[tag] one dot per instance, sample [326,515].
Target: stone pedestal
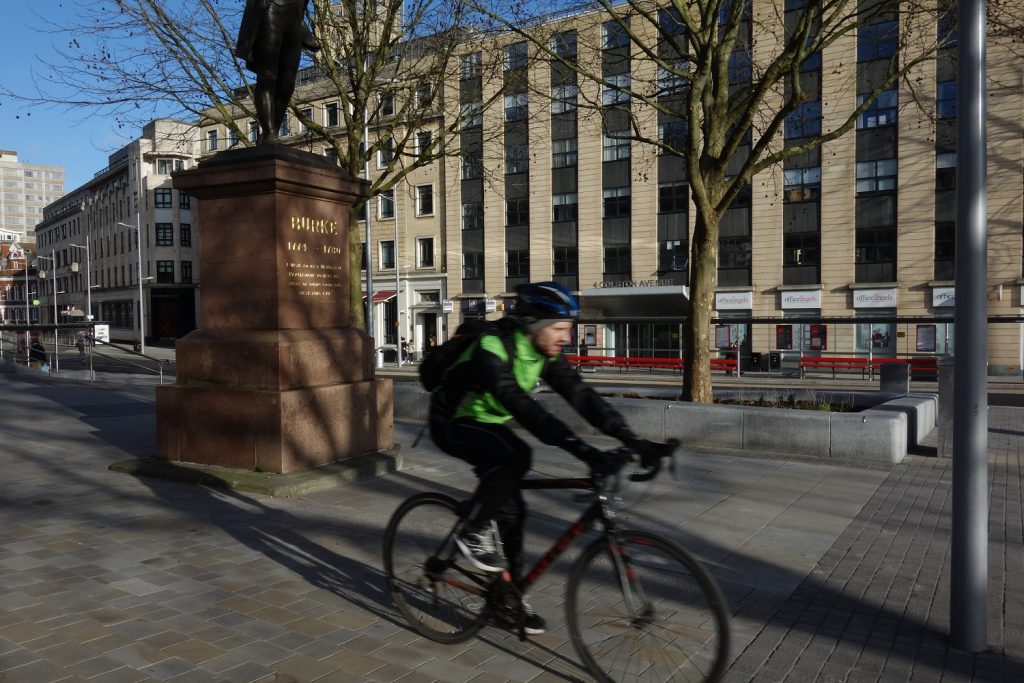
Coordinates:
[275,379]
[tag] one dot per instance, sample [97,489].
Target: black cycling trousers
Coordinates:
[500,459]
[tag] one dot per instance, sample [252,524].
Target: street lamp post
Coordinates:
[88,281]
[142,309]
[52,258]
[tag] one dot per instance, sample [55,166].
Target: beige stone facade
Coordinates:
[870,289]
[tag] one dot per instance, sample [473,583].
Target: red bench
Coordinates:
[641,362]
[922,365]
[833,363]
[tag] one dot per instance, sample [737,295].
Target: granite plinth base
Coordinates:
[269,430]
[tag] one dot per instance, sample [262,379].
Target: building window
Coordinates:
[472,265]
[232,138]
[565,261]
[472,114]
[283,130]
[945,100]
[386,152]
[184,200]
[515,56]
[565,207]
[563,153]
[804,121]
[424,140]
[516,107]
[801,249]
[672,256]
[734,252]
[186,234]
[802,184]
[616,259]
[387,254]
[881,112]
[163,198]
[305,115]
[424,96]
[387,103]
[673,198]
[165,234]
[517,159]
[331,114]
[877,41]
[673,135]
[165,271]
[616,92]
[386,208]
[472,166]
[564,45]
[875,245]
[164,166]
[563,98]
[876,176]
[617,202]
[945,171]
[518,263]
[616,145]
[470,66]
[211,140]
[331,154]
[424,200]
[517,212]
[254,131]
[613,35]
[186,272]
[473,216]
[425,252]
[672,80]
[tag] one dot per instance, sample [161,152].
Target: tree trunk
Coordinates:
[355,264]
[703,276]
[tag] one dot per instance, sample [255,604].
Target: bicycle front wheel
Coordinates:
[440,599]
[640,608]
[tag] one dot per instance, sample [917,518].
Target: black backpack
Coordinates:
[436,364]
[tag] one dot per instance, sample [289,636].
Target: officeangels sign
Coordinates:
[810,298]
[874,298]
[943,296]
[734,301]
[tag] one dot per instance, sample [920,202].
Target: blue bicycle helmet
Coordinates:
[545,301]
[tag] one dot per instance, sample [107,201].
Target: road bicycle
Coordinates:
[638,607]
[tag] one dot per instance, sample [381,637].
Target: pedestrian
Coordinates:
[36,354]
[80,345]
[429,345]
[405,350]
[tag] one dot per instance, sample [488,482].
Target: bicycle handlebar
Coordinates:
[650,462]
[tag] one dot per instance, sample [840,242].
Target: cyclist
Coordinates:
[484,389]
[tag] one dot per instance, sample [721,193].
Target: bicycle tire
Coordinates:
[432,601]
[681,635]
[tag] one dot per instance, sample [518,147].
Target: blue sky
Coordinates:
[80,141]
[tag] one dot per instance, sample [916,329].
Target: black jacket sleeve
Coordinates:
[561,377]
[492,375]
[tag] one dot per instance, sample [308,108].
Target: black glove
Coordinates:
[649,451]
[600,462]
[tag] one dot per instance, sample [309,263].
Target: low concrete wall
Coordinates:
[880,434]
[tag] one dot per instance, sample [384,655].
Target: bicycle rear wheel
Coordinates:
[440,599]
[643,609]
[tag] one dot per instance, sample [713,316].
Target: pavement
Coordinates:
[834,571]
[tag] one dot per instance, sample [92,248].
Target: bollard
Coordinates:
[894,378]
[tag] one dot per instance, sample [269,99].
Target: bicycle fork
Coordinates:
[637,604]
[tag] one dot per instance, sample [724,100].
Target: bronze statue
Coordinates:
[270,40]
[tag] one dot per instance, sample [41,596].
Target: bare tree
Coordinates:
[730,88]
[385,62]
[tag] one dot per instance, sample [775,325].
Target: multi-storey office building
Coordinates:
[847,249]
[97,251]
[27,189]
[18,284]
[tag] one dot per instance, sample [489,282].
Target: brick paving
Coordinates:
[876,606]
[835,571]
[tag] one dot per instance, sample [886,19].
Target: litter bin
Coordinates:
[755,361]
[774,360]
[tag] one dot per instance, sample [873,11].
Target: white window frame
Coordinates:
[327,117]
[380,255]
[419,252]
[308,113]
[433,196]
[386,196]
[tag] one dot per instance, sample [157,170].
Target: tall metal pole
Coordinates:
[969,571]
[142,307]
[398,285]
[28,318]
[367,251]
[56,340]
